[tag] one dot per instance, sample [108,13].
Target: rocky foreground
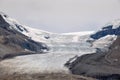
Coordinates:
[44,77]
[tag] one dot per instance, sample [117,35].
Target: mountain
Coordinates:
[61,42]
[112,28]
[81,52]
[13,42]
[17,42]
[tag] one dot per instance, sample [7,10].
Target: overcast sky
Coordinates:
[62,15]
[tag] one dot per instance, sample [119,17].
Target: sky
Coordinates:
[62,16]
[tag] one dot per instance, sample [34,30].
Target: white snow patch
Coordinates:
[75,38]
[79,33]
[104,41]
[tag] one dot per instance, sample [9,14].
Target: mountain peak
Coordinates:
[114,24]
[3,14]
[112,28]
[2,19]
[10,23]
[13,41]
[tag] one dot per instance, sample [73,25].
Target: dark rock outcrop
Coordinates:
[104,66]
[108,30]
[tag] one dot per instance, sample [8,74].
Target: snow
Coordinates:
[36,34]
[79,33]
[115,23]
[104,42]
[53,61]
[75,39]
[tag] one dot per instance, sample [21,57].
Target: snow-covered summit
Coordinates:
[13,24]
[115,24]
[35,34]
[41,35]
[53,39]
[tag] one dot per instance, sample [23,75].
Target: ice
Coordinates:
[39,63]
[62,48]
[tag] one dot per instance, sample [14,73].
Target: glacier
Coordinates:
[63,47]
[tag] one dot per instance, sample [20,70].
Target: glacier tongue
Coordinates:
[61,50]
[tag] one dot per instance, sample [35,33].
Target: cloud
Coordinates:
[62,15]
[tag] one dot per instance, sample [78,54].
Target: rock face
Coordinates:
[111,29]
[104,66]
[13,42]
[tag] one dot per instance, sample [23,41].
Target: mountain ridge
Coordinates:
[13,41]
